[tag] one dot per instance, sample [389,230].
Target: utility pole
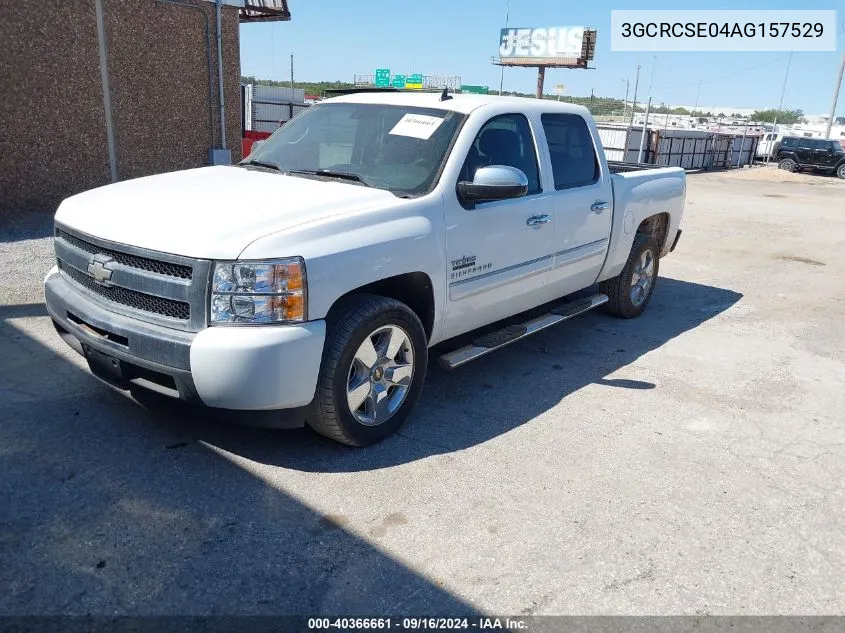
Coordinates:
[507,23]
[625,103]
[643,135]
[836,88]
[777,112]
[647,109]
[742,146]
[651,82]
[634,102]
[633,110]
[291,87]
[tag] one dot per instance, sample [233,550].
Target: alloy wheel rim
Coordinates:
[642,278]
[380,375]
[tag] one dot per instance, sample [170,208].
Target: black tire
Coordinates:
[618,289]
[357,318]
[840,171]
[787,164]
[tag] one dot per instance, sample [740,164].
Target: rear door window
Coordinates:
[574,160]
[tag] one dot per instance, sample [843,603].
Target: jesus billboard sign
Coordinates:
[546,42]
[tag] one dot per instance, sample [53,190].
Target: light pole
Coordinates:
[507,24]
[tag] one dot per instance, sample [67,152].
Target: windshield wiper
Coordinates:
[261,163]
[328,173]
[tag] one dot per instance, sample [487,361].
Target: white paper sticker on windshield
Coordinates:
[417,126]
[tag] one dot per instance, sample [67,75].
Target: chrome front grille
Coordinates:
[156,287]
[133,261]
[130,298]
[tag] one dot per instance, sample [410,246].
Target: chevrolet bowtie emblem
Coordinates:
[99,270]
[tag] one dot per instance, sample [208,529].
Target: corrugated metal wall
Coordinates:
[690,149]
[273,106]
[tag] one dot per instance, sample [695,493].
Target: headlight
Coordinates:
[258,292]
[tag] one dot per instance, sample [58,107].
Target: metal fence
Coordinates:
[266,108]
[661,135]
[690,149]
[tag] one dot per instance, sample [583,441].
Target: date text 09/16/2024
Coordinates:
[415,624]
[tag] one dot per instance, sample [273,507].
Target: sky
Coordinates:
[337,39]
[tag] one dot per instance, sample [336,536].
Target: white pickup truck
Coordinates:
[313,278]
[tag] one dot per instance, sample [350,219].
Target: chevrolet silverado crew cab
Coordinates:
[313,278]
[798,152]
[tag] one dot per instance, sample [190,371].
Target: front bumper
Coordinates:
[228,367]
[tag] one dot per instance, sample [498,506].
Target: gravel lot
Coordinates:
[689,462]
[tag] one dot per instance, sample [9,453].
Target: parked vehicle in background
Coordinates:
[768,145]
[315,276]
[797,152]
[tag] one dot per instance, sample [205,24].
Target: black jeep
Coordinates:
[798,152]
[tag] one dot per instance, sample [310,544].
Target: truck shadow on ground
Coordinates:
[111,508]
[105,511]
[489,397]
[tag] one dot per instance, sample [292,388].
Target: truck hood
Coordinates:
[211,212]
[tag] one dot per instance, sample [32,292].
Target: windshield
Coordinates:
[397,148]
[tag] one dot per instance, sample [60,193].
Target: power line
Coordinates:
[734,74]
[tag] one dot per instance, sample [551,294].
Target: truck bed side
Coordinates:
[638,195]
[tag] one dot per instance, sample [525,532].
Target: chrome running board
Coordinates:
[491,342]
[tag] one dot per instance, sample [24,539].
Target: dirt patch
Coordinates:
[771,173]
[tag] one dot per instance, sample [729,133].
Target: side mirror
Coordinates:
[496,182]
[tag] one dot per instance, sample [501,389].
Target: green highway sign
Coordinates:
[414,82]
[476,90]
[399,81]
[382,77]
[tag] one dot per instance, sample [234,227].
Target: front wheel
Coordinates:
[787,164]
[629,293]
[373,369]
[840,171]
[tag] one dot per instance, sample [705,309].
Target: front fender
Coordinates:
[348,253]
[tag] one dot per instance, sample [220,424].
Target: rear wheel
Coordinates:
[840,171]
[373,369]
[629,293]
[787,164]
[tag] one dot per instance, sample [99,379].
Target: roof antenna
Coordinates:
[445,96]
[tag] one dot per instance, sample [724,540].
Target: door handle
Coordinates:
[537,220]
[598,207]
